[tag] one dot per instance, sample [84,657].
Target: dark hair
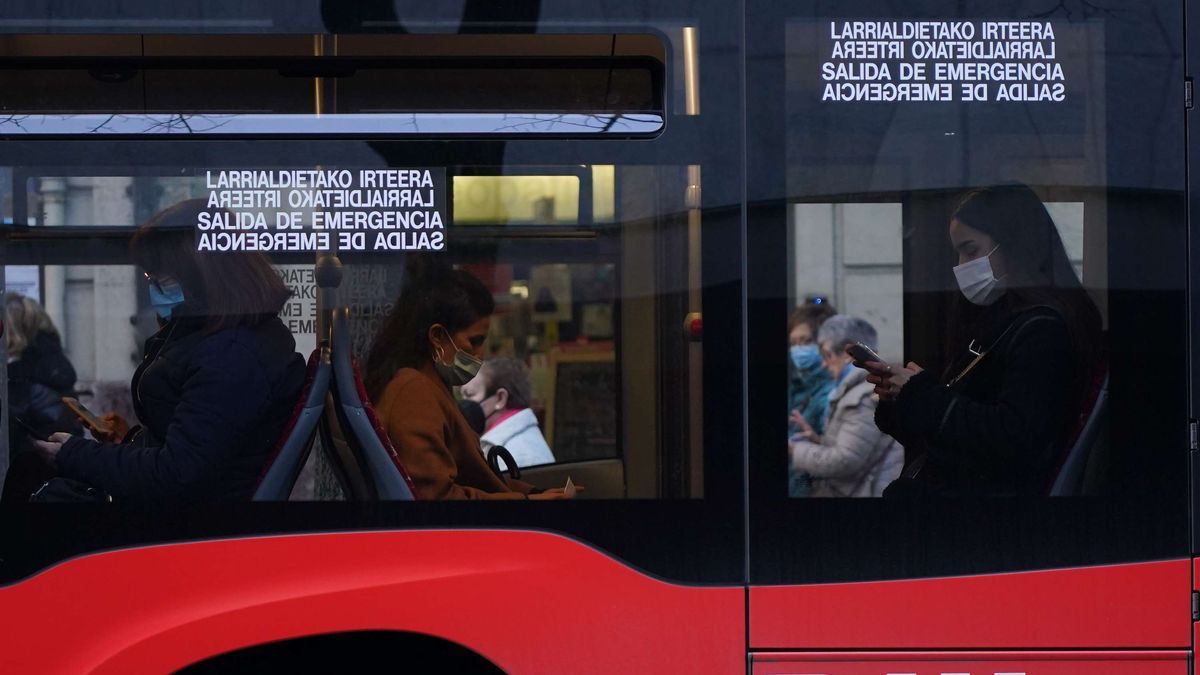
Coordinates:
[510,375]
[432,293]
[1038,272]
[230,288]
[812,315]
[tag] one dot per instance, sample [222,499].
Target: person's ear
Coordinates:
[437,341]
[501,398]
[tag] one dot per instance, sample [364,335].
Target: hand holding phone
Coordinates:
[862,353]
[86,416]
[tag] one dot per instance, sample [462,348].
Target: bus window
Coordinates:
[586,227]
[960,232]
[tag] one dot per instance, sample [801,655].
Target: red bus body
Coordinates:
[589,614]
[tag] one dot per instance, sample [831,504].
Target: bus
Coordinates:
[662,199]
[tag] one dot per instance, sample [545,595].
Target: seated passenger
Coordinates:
[39,375]
[502,389]
[432,341]
[217,383]
[853,458]
[809,383]
[1024,338]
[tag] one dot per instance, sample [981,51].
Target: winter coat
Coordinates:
[853,458]
[999,429]
[808,392]
[520,435]
[213,406]
[436,445]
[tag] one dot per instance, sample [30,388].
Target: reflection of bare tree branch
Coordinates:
[183,122]
[1086,10]
[596,123]
[100,127]
[14,120]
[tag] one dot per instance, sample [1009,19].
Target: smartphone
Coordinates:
[29,430]
[862,353]
[87,416]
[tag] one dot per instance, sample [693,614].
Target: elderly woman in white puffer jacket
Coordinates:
[853,458]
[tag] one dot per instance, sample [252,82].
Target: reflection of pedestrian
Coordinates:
[502,389]
[1025,340]
[39,375]
[216,386]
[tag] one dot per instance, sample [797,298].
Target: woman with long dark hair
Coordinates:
[433,340]
[1025,347]
[217,382]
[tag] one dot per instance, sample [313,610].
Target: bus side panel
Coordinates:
[977,663]
[1139,606]
[527,601]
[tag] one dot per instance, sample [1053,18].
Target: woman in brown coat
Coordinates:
[433,340]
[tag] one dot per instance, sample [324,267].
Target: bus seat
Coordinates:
[280,473]
[346,466]
[363,432]
[1069,481]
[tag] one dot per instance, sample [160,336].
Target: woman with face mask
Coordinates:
[216,385]
[809,383]
[432,341]
[502,391]
[1023,350]
[852,458]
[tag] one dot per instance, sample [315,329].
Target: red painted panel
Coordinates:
[973,663]
[1142,606]
[529,601]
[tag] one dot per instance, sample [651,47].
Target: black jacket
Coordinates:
[1000,429]
[212,408]
[36,384]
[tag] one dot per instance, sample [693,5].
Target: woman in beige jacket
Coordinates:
[853,458]
[432,341]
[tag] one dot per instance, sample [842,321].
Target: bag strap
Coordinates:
[980,354]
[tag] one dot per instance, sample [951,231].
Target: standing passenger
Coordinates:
[432,341]
[217,383]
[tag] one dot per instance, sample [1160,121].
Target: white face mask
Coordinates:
[977,282]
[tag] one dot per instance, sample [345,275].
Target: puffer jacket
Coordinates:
[213,405]
[853,458]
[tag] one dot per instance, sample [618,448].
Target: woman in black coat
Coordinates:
[217,382]
[39,375]
[1025,347]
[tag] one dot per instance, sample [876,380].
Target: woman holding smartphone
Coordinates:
[216,385]
[1024,343]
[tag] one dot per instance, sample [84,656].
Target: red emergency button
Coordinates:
[693,326]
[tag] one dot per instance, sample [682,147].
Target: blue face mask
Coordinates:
[166,298]
[805,357]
